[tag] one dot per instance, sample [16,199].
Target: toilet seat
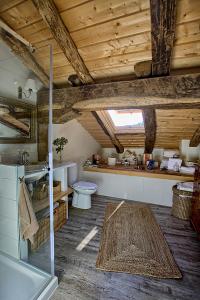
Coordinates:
[84,185]
[82,194]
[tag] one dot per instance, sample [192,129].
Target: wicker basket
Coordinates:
[182,203]
[41,191]
[43,233]
[56,187]
[60,215]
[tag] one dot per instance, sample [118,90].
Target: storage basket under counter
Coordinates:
[43,232]
[41,208]
[182,203]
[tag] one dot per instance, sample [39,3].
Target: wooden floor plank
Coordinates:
[82,281]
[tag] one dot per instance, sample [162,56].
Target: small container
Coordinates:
[111,161]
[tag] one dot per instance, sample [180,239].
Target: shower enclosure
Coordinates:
[26,268]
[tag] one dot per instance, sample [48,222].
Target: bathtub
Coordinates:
[19,280]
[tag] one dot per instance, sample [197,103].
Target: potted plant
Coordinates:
[60,144]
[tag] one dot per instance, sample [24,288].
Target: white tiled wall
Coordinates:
[9,191]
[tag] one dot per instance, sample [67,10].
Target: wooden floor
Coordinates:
[81,280]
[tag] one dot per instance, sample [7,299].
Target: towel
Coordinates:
[185,186]
[28,222]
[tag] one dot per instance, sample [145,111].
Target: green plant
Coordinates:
[60,144]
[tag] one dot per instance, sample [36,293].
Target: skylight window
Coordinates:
[127,118]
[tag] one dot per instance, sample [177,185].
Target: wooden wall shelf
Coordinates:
[140,173]
[41,204]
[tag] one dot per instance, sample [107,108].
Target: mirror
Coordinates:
[17,121]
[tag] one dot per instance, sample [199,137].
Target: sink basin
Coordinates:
[34,172]
[34,176]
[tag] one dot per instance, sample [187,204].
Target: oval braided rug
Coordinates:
[132,242]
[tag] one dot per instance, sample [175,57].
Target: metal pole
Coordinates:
[50,140]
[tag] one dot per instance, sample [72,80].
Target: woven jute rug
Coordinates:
[133,242]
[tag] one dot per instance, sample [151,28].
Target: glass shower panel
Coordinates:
[38,251]
[26,196]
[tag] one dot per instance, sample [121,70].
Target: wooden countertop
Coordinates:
[131,171]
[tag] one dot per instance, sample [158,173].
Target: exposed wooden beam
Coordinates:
[61,34]
[149,117]
[195,140]
[163,17]
[119,148]
[16,35]
[158,92]
[24,54]
[42,141]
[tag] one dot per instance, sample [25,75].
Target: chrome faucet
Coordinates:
[45,166]
[24,158]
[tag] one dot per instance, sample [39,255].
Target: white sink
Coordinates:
[34,173]
[34,176]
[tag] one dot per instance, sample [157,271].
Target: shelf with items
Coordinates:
[44,203]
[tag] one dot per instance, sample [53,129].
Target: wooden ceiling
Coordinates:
[111,36]
[173,125]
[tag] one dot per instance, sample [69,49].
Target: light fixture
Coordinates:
[29,87]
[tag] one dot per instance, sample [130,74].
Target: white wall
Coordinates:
[189,153]
[157,153]
[81,144]
[13,74]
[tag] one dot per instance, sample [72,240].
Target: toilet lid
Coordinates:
[85,185]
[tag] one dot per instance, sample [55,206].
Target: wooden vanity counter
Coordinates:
[132,171]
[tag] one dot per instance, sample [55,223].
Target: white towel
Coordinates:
[28,222]
[185,186]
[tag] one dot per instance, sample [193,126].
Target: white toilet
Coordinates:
[82,194]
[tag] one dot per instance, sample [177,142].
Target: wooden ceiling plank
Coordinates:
[61,34]
[195,140]
[23,53]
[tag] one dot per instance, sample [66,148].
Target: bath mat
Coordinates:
[132,242]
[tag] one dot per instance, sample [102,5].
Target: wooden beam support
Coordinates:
[16,35]
[61,34]
[114,140]
[149,117]
[195,140]
[163,17]
[42,142]
[24,54]
[158,92]
[163,22]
